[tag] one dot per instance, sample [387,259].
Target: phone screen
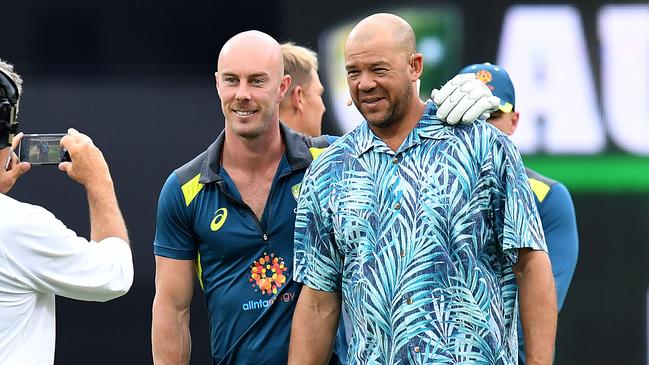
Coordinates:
[42,149]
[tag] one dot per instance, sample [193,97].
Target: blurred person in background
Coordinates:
[552,198]
[302,108]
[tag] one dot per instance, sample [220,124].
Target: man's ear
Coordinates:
[416,66]
[296,98]
[515,117]
[284,84]
[216,81]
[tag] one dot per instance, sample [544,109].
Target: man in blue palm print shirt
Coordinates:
[430,232]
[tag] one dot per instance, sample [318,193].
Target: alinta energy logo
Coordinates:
[267,274]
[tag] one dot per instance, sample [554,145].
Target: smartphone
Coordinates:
[42,149]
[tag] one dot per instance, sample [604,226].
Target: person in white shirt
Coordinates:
[39,256]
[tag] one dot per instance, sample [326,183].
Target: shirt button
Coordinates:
[402,253]
[395,160]
[416,349]
[265,237]
[409,301]
[397,206]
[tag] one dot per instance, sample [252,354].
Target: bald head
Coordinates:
[251,84]
[252,47]
[388,29]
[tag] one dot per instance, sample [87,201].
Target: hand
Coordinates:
[10,168]
[464,99]
[87,166]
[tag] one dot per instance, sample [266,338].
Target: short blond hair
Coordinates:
[299,62]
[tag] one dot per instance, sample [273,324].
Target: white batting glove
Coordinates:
[464,99]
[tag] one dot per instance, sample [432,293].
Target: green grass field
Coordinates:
[604,173]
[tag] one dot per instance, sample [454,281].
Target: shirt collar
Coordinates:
[297,154]
[429,127]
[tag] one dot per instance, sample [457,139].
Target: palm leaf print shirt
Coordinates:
[420,241]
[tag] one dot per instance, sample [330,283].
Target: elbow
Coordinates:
[119,284]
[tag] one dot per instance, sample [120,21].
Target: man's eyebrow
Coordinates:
[257,75]
[372,64]
[379,63]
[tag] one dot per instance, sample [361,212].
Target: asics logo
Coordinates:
[219,219]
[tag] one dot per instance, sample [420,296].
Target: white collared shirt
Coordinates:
[40,258]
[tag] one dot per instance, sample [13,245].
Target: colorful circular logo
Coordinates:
[267,274]
[484,76]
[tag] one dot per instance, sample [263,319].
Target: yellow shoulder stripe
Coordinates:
[539,188]
[191,188]
[199,270]
[315,152]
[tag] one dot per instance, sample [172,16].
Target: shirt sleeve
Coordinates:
[516,219]
[174,235]
[560,229]
[48,257]
[318,263]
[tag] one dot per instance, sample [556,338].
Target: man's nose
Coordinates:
[243,91]
[366,82]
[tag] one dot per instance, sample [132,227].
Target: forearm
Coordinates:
[538,308]
[170,337]
[105,217]
[314,327]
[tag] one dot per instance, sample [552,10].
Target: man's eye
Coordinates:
[230,80]
[257,81]
[352,73]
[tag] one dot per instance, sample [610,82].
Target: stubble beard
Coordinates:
[395,112]
[252,129]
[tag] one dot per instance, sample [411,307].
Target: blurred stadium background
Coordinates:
[138,77]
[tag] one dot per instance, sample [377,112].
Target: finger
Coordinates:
[66,141]
[433,93]
[82,138]
[474,90]
[451,87]
[476,110]
[482,106]
[459,110]
[494,102]
[21,168]
[65,166]
[17,171]
[12,161]
[449,104]
[16,140]
[73,132]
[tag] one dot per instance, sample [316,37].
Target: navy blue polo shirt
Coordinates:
[245,265]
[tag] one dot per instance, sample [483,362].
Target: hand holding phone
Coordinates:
[12,169]
[42,149]
[88,166]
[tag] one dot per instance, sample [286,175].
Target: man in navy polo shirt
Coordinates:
[230,213]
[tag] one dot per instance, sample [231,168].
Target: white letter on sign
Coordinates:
[624,35]
[543,49]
